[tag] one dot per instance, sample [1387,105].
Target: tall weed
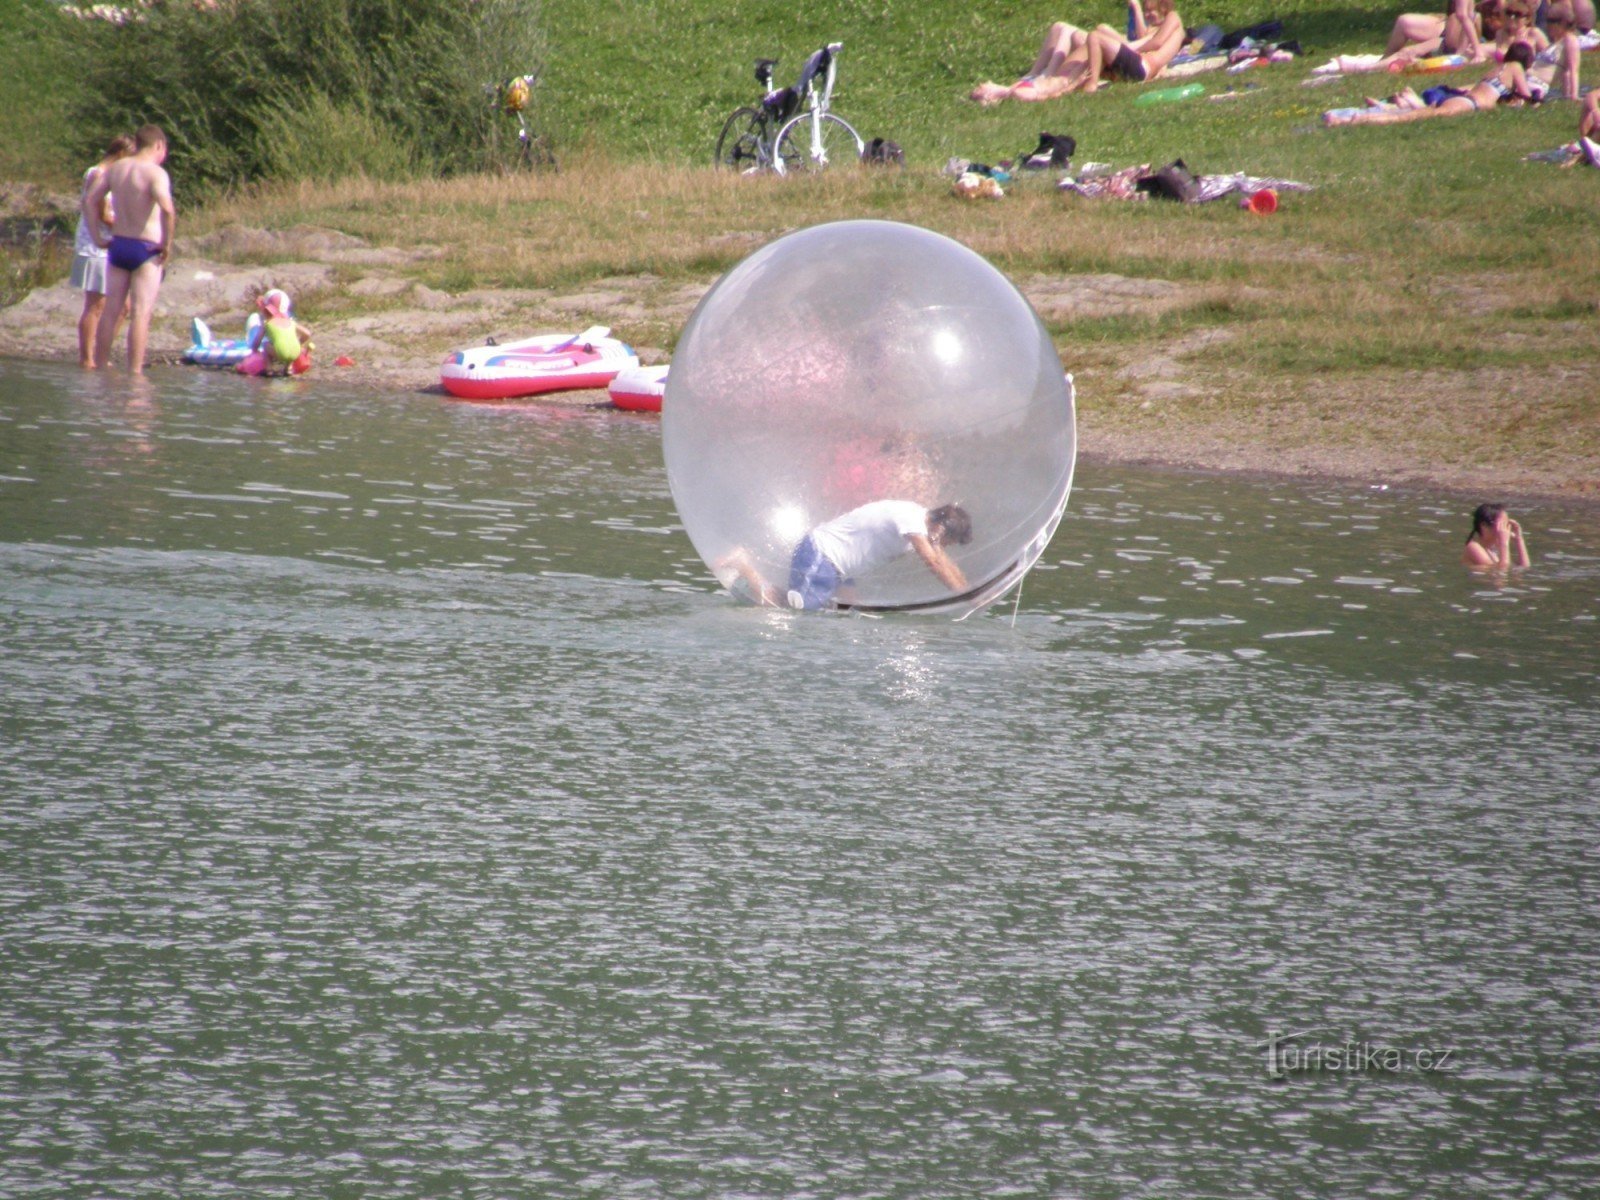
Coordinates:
[262,89]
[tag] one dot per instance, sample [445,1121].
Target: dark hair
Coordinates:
[953,519]
[119,146]
[1521,53]
[149,135]
[1484,514]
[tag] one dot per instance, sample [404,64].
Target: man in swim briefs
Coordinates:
[139,242]
[836,551]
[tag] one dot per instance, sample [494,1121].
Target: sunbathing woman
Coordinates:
[1061,61]
[1421,35]
[1509,81]
[1556,67]
[1158,36]
[1518,26]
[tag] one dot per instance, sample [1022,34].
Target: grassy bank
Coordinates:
[652,80]
[1318,329]
[1432,301]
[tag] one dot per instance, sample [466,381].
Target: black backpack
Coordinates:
[1055,151]
[884,152]
[1172,182]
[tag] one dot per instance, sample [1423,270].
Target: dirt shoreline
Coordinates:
[369,306]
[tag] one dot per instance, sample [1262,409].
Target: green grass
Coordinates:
[654,79]
[36,91]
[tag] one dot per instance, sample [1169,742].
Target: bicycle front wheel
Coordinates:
[810,143]
[742,147]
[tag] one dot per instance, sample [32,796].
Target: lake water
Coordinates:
[390,805]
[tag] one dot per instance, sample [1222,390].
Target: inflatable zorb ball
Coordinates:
[862,361]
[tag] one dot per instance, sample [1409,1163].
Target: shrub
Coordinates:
[260,89]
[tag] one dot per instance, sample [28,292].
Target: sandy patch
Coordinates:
[1144,403]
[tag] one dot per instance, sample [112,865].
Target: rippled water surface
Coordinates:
[390,806]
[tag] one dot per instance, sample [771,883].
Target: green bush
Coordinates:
[274,89]
[37,82]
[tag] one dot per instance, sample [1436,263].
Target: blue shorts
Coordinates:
[129,254]
[813,580]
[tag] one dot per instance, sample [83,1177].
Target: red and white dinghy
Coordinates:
[549,362]
[639,389]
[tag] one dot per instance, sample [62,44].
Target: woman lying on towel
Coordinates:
[1508,82]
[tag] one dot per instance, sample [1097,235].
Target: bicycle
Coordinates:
[778,137]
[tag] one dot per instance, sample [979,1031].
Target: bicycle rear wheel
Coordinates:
[742,147]
[835,142]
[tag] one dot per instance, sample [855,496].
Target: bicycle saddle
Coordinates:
[764,71]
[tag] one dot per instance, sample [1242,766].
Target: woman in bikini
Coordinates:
[1557,65]
[1496,540]
[1508,82]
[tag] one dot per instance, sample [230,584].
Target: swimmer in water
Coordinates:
[1496,540]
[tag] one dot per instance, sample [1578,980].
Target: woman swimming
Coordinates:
[1496,539]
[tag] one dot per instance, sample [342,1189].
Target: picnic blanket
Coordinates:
[1123,185]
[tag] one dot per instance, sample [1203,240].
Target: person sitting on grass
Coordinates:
[1587,146]
[1157,37]
[1557,66]
[1496,540]
[1509,82]
[1518,26]
[1061,60]
[1422,35]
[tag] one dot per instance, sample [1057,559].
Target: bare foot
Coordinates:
[988,93]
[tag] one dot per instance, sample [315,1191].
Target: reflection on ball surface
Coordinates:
[862,361]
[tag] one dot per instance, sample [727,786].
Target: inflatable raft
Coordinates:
[639,389]
[210,351]
[550,362]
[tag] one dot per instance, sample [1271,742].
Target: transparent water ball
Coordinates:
[861,361]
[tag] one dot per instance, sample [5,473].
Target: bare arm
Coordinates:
[1471,45]
[1515,78]
[94,198]
[1140,26]
[161,193]
[939,562]
[1153,39]
[1516,541]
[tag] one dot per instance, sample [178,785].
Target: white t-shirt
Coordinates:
[84,242]
[870,536]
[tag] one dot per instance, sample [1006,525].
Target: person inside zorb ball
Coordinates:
[868,415]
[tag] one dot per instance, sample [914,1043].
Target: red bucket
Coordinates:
[1263,202]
